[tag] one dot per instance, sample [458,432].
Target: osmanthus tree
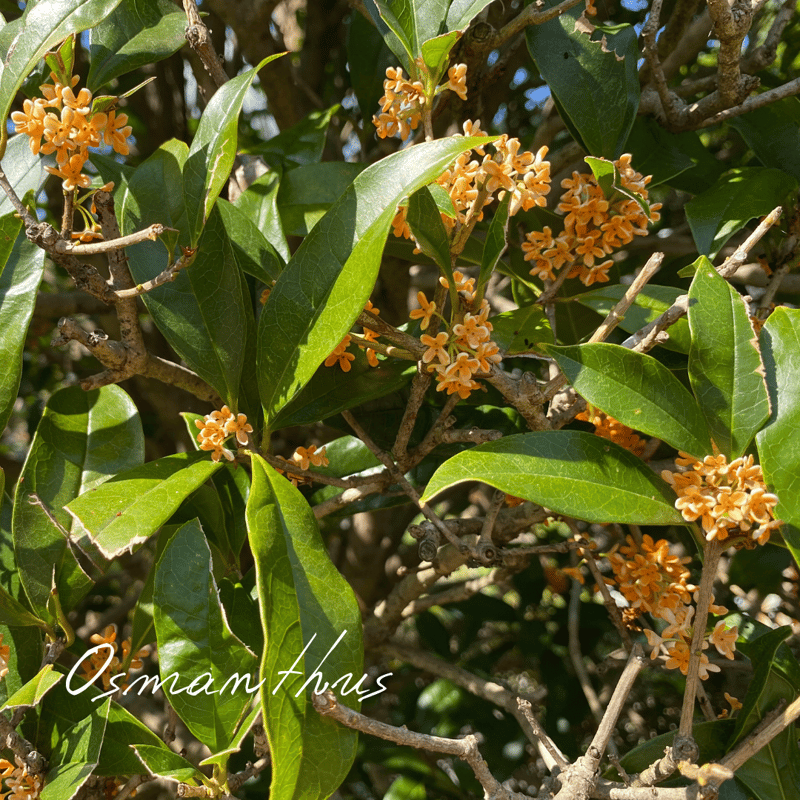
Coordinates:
[489,424]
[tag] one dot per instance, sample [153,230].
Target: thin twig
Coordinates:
[530,15]
[200,41]
[95,248]
[541,734]
[168,275]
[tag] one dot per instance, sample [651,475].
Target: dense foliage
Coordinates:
[443,439]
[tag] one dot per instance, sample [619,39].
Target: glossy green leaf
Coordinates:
[521,330]
[61,709]
[398,16]
[737,197]
[774,771]
[43,25]
[570,472]
[462,12]
[312,630]
[21,265]
[638,391]
[331,391]
[13,613]
[196,644]
[221,758]
[23,168]
[254,254]
[778,447]
[306,193]
[426,224]
[259,202]
[773,134]
[136,33]
[725,366]
[650,303]
[592,76]
[301,144]
[121,514]
[61,60]
[330,277]
[82,439]
[33,691]
[213,149]
[163,763]
[75,756]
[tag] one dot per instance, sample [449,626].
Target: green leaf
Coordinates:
[330,277]
[435,52]
[201,313]
[75,756]
[638,391]
[82,439]
[61,60]
[136,33]
[605,174]
[426,224]
[368,57]
[777,441]
[301,144]
[13,613]
[33,691]
[21,264]
[163,763]
[650,303]
[495,244]
[213,149]
[23,168]
[306,193]
[196,644]
[521,330]
[570,472]
[331,391]
[659,152]
[259,202]
[312,626]
[253,253]
[725,367]
[61,709]
[592,76]
[737,197]
[462,12]
[43,25]
[121,514]
[774,771]
[773,133]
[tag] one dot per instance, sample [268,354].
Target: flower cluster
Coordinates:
[344,358]
[655,581]
[70,129]
[474,183]
[466,349]
[217,426]
[594,227]
[305,458]
[20,783]
[96,661]
[403,99]
[730,501]
[609,428]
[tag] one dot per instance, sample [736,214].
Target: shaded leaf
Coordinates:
[570,472]
[368,57]
[426,224]
[658,152]
[253,253]
[24,170]
[301,144]
[593,77]
[725,367]
[519,331]
[737,197]
[136,33]
[259,203]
